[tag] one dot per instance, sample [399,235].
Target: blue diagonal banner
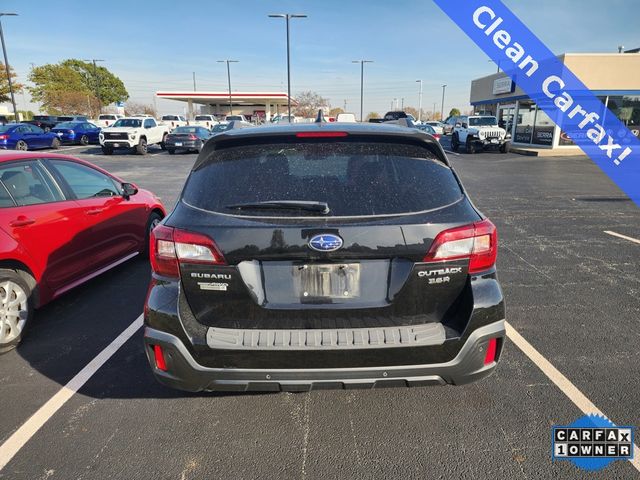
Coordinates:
[556,90]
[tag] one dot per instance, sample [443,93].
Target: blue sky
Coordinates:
[157,45]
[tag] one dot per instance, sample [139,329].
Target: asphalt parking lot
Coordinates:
[572,292]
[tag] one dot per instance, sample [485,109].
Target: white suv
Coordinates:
[479,132]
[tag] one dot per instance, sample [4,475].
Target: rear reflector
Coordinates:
[320,134]
[477,241]
[170,246]
[492,347]
[159,357]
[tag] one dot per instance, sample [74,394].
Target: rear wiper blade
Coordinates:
[309,206]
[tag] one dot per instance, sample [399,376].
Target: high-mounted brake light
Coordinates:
[478,242]
[169,247]
[320,134]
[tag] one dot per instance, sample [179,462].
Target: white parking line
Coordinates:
[562,382]
[619,235]
[21,436]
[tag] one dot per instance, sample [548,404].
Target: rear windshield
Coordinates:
[107,117]
[203,117]
[354,179]
[170,117]
[67,125]
[186,130]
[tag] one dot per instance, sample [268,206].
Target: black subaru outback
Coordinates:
[323,256]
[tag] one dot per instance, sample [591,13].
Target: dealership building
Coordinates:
[253,105]
[613,78]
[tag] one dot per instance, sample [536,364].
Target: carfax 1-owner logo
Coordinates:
[592,442]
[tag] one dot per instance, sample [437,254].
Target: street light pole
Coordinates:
[442,107]
[420,102]
[287,17]
[194,81]
[362,62]
[7,67]
[96,79]
[229,80]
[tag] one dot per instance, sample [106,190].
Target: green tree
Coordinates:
[454,112]
[4,84]
[57,86]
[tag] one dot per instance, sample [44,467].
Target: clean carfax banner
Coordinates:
[556,90]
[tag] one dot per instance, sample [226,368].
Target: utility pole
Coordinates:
[96,80]
[7,67]
[194,81]
[229,80]
[420,102]
[287,17]
[402,108]
[362,62]
[442,107]
[345,105]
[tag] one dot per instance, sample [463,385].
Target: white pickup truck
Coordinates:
[107,119]
[205,121]
[174,121]
[133,133]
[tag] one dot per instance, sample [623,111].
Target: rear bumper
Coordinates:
[184,373]
[188,144]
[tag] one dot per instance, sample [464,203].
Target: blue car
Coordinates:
[81,133]
[22,136]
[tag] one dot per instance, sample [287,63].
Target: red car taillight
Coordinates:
[477,241]
[4,137]
[436,136]
[169,247]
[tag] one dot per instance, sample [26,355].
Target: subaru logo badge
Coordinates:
[325,242]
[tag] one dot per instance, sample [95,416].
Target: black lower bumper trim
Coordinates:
[184,373]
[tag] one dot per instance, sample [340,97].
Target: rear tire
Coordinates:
[154,219]
[22,145]
[163,145]
[107,151]
[171,151]
[16,308]
[84,140]
[470,146]
[55,144]
[455,143]
[142,148]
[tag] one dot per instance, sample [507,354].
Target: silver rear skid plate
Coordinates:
[326,339]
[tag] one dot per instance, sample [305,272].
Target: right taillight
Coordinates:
[169,247]
[477,241]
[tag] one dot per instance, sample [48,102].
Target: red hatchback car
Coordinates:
[63,221]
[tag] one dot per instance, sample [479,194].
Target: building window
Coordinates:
[525,121]
[566,138]
[543,129]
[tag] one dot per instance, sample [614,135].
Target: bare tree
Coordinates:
[308,104]
[133,108]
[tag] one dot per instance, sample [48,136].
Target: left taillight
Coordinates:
[169,247]
[477,241]
[4,137]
